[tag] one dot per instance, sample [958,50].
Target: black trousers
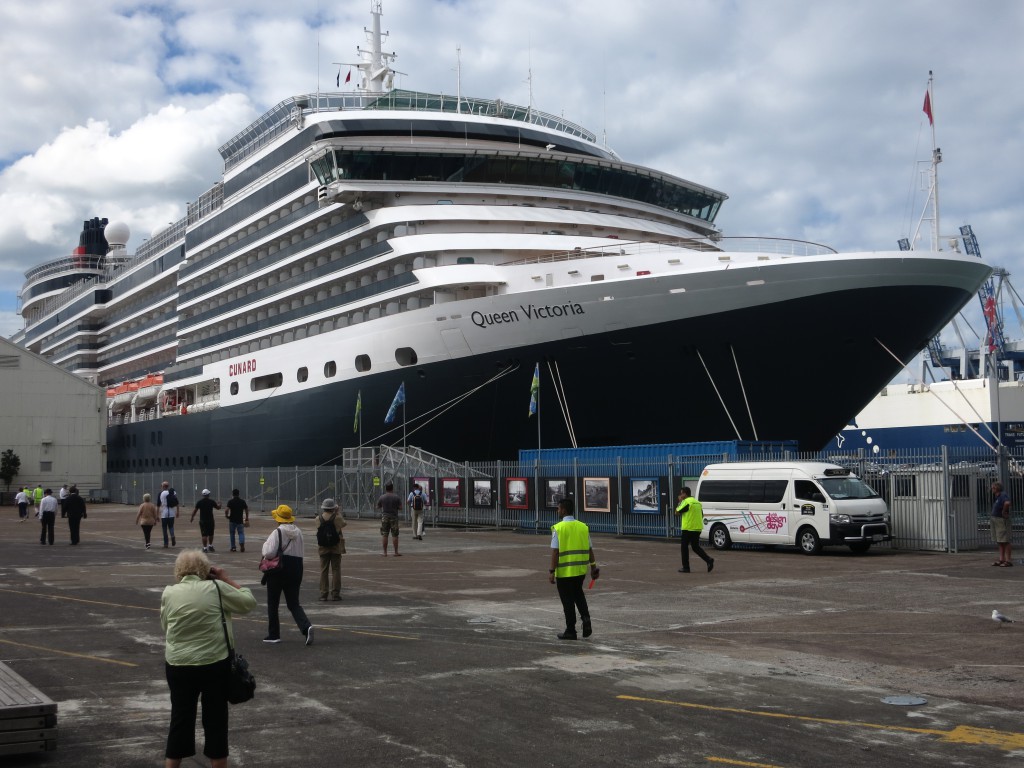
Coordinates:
[288,581]
[74,523]
[691,539]
[188,685]
[47,531]
[570,592]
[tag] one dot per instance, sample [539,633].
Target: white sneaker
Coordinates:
[309,635]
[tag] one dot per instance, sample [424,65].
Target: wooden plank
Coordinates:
[28,717]
[19,697]
[29,736]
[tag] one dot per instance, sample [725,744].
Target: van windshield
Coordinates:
[847,488]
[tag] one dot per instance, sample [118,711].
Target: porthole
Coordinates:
[330,369]
[405,356]
[234,387]
[362,363]
[303,374]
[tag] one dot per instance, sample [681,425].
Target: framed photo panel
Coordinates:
[426,483]
[451,492]
[555,489]
[516,493]
[645,493]
[597,494]
[483,493]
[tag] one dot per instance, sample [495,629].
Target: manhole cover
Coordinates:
[482,620]
[904,701]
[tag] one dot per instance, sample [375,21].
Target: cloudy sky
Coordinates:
[807,114]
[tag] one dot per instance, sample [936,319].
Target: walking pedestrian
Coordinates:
[48,516]
[690,526]
[286,542]
[237,514]
[389,505]
[37,494]
[61,496]
[571,553]
[74,506]
[205,507]
[168,512]
[418,502]
[23,500]
[147,517]
[330,546]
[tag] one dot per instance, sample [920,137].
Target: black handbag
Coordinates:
[241,683]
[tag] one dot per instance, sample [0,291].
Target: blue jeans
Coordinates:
[167,524]
[240,528]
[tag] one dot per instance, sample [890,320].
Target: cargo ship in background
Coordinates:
[362,242]
[967,397]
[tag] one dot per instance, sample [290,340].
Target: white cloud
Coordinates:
[806,115]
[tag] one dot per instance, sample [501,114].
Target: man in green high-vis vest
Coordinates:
[571,554]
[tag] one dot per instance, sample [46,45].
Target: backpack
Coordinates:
[417,501]
[326,533]
[172,499]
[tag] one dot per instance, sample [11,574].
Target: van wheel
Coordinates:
[808,541]
[860,547]
[720,537]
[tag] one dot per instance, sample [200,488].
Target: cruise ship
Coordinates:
[363,242]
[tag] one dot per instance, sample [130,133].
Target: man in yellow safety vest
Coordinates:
[571,553]
[691,524]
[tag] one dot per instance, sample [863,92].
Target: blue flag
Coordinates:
[399,399]
[535,390]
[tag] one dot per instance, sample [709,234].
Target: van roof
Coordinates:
[813,468]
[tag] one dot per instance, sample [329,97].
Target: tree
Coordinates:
[10,465]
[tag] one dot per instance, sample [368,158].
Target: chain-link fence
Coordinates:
[938,500]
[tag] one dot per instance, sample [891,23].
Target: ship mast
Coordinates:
[930,212]
[374,63]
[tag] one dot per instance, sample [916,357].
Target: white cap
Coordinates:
[206,491]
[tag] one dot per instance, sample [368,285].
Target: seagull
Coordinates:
[999,619]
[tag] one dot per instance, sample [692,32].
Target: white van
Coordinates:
[809,504]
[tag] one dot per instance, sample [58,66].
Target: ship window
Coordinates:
[330,369]
[133,440]
[363,363]
[596,278]
[190,461]
[270,381]
[303,374]
[234,387]
[206,460]
[160,437]
[405,356]
[152,438]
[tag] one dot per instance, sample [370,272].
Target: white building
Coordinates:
[53,420]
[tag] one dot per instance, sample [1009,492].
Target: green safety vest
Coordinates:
[693,518]
[573,548]
[38,494]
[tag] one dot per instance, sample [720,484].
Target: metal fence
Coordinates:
[938,500]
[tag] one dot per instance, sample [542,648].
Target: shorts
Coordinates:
[205,526]
[1001,530]
[389,525]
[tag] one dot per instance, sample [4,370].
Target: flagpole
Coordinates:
[538,420]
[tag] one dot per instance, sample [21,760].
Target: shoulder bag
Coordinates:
[241,683]
[273,564]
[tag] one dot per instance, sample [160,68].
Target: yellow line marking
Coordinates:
[77,599]
[727,761]
[380,634]
[69,653]
[961,734]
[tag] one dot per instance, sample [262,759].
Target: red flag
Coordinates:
[349,77]
[928,107]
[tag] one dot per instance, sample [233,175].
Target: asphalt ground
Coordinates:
[447,656]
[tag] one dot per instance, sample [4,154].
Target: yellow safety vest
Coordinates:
[573,548]
[693,518]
